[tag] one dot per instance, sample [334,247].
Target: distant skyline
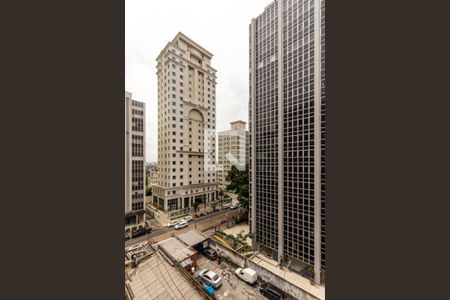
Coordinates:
[221,27]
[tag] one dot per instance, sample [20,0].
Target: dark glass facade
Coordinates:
[296,125]
[266,127]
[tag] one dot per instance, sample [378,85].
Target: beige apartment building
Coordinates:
[134,160]
[186,126]
[233,150]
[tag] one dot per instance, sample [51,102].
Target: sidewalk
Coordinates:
[154,223]
[202,226]
[164,219]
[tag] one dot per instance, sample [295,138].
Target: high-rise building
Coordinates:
[186,126]
[287,129]
[233,150]
[134,160]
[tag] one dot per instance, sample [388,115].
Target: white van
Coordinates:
[247,274]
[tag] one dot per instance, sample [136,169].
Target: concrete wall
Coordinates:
[279,282]
[236,258]
[263,273]
[159,216]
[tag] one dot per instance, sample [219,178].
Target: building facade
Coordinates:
[233,150]
[134,160]
[287,129]
[186,126]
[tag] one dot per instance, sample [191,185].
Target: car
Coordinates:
[173,223]
[210,253]
[127,237]
[271,292]
[248,275]
[181,224]
[226,205]
[210,278]
[141,231]
[235,205]
[187,218]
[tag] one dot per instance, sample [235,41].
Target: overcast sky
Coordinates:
[219,26]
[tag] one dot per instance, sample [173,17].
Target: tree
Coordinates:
[243,195]
[232,178]
[239,183]
[195,207]
[311,274]
[242,238]
[220,198]
[227,198]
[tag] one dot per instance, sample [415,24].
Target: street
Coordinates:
[202,223]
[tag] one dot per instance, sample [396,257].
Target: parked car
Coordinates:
[271,292]
[141,231]
[235,205]
[181,224]
[211,278]
[187,218]
[210,253]
[226,205]
[248,275]
[127,237]
[173,223]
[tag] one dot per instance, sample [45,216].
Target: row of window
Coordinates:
[137,206]
[137,175]
[137,124]
[136,112]
[137,104]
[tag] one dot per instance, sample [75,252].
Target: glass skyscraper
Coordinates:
[287,133]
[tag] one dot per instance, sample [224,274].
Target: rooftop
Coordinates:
[238,125]
[176,249]
[156,279]
[182,36]
[186,39]
[192,237]
[141,249]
